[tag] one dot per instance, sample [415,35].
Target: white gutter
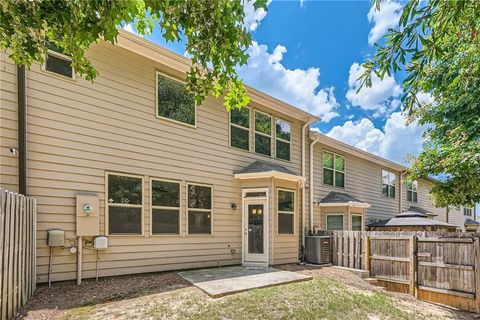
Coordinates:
[311,182]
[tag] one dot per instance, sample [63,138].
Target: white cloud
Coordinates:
[385,18]
[381,98]
[253,17]
[395,142]
[298,87]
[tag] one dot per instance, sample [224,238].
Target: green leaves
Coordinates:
[437,45]
[213,32]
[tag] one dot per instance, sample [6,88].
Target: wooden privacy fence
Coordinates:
[17,251]
[432,266]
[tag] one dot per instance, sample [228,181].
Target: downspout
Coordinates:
[402,173]
[22,131]
[304,127]
[311,182]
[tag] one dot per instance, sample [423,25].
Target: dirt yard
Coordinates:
[333,294]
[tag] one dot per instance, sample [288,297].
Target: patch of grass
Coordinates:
[79,313]
[316,299]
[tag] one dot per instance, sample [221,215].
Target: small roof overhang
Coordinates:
[470,222]
[266,170]
[411,222]
[340,199]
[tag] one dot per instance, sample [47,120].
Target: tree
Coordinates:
[215,35]
[437,45]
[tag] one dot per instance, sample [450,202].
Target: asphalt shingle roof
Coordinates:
[264,166]
[339,197]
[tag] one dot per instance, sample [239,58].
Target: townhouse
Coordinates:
[173,185]
[353,188]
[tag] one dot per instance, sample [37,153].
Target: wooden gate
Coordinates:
[447,271]
[391,261]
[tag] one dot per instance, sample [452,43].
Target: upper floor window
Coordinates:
[58,62]
[165,213]
[388,183]
[282,139]
[467,212]
[286,211]
[240,128]
[333,169]
[263,133]
[174,102]
[412,191]
[199,207]
[124,204]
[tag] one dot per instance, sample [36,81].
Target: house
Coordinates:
[352,188]
[173,185]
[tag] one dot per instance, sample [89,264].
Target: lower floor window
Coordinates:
[124,220]
[165,221]
[286,211]
[357,223]
[334,222]
[199,222]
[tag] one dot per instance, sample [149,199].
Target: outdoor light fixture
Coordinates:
[233,206]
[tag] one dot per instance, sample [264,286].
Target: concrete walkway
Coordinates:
[218,282]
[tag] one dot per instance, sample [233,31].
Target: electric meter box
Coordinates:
[100,243]
[88,223]
[56,238]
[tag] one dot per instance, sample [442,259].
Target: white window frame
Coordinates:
[411,191]
[361,219]
[108,205]
[389,184]
[157,73]
[335,214]
[60,56]
[283,140]
[334,170]
[287,212]
[166,208]
[467,210]
[201,210]
[230,124]
[255,132]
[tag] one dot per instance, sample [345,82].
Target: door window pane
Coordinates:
[334,222]
[255,228]
[174,102]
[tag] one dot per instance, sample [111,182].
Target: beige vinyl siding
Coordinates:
[424,200]
[8,124]
[78,130]
[456,217]
[363,180]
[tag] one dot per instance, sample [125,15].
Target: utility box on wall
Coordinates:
[88,215]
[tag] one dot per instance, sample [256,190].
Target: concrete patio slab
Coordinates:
[218,282]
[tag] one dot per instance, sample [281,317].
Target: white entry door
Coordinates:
[255,225]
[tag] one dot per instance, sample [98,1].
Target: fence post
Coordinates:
[367,253]
[477,272]
[412,266]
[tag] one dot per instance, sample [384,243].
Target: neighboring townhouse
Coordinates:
[353,188]
[172,185]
